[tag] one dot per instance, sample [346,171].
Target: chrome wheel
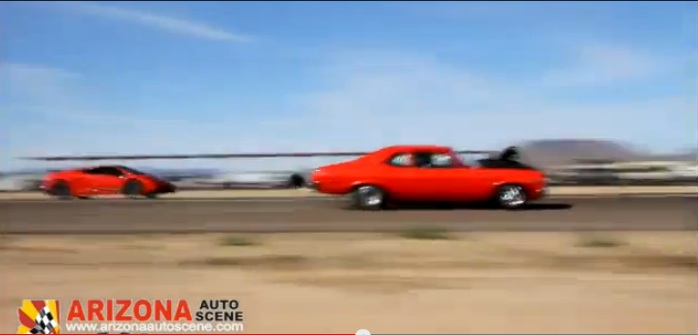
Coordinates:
[369,197]
[512,196]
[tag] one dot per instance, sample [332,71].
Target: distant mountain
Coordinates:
[550,152]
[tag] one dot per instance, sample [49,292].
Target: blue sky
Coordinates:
[192,77]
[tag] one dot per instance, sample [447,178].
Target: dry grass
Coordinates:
[501,282]
[598,241]
[420,248]
[426,233]
[237,241]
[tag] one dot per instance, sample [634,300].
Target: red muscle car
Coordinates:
[104,180]
[431,173]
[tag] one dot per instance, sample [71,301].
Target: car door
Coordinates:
[81,183]
[436,172]
[112,180]
[403,179]
[106,180]
[470,183]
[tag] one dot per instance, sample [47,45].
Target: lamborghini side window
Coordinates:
[110,171]
[401,160]
[93,171]
[107,171]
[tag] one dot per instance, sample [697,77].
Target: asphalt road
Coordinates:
[324,215]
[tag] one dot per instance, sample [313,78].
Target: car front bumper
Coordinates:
[45,189]
[539,193]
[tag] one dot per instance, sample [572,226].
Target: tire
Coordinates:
[511,196]
[61,190]
[152,195]
[132,189]
[368,197]
[296,181]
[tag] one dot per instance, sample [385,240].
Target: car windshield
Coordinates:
[130,170]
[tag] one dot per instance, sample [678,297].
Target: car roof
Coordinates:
[100,166]
[416,147]
[386,152]
[92,167]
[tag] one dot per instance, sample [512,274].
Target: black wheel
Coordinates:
[151,195]
[511,196]
[61,190]
[368,197]
[296,181]
[132,189]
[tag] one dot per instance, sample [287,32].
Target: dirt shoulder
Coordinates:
[429,282]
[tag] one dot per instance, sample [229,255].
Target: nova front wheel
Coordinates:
[511,196]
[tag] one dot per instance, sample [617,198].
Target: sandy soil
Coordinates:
[334,283]
[555,191]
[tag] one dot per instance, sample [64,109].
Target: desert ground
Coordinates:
[414,281]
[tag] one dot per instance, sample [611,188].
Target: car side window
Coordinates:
[403,159]
[433,160]
[104,171]
[441,160]
[93,171]
[422,159]
[110,171]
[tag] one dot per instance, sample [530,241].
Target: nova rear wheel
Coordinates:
[511,196]
[368,197]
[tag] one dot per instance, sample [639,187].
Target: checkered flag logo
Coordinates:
[45,322]
[38,317]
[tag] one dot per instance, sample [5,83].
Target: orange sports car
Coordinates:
[431,173]
[104,180]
